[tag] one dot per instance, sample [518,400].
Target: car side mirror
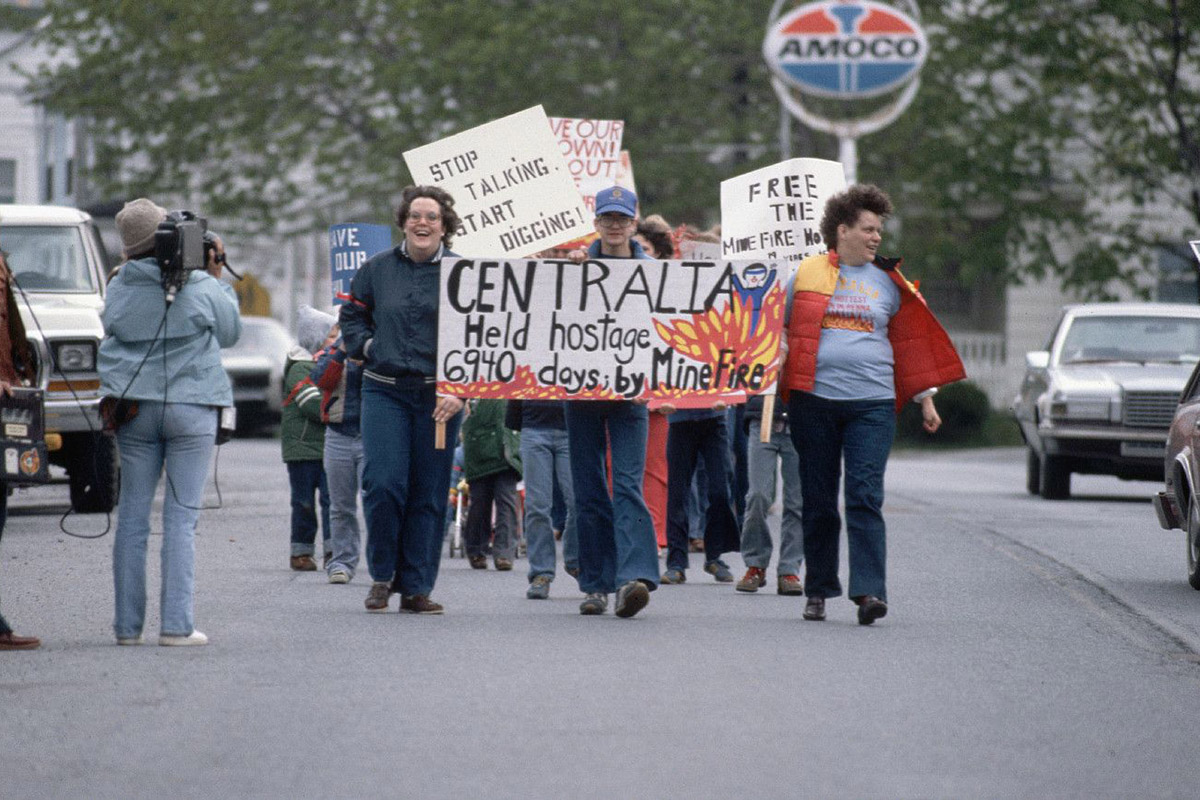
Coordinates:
[1039,359]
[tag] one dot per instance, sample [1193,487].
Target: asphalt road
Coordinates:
[1033,649]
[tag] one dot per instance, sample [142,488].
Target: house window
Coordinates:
[8,180]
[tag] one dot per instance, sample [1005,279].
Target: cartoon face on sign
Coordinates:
[752,284]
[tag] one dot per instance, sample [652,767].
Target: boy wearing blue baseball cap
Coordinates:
[618,551]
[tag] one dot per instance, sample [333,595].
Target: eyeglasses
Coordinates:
[614,220]
[416,216]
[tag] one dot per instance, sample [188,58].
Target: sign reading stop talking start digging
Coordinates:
[511,186]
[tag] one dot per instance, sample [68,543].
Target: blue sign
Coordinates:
[350,244]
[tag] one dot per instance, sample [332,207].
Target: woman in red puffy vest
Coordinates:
[860,343]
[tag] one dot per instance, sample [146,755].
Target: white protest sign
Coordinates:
[685,333]
[592,149]
[692,250]
[775,212]
[511,186]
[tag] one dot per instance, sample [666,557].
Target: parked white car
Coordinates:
[59,265]
[1100,398]
[255,368]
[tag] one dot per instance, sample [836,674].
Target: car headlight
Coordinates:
[1080,409]
[75,356]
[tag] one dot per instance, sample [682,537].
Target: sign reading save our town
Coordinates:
[687,333]
[511,186]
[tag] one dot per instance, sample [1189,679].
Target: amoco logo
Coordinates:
[847,49]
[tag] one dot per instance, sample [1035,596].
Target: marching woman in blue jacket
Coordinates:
[164,362]
[390,322]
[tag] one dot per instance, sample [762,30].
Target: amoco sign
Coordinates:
[845,48]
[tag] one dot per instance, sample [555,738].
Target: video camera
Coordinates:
[182,243]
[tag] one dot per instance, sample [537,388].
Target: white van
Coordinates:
[59,265]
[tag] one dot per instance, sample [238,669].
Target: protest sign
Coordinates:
[1195,248]
[692,250]
[775,212]
[350,244]
[511,186]
[687,333]
[592,149]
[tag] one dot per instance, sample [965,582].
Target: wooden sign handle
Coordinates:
[439,436]
[768,419]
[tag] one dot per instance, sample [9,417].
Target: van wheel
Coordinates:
[94,473]
[1055,481]
[1033,472]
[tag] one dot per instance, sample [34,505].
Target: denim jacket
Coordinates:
[145,356]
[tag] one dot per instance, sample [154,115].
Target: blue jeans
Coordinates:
[824,433]
[406,482]
[739,470]
[616,536]
[307,479]
[180,436]
[756,534]
[688,441]
[546,462]
[343,473]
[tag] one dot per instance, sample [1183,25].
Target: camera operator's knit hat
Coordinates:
[136,223]
[312,326]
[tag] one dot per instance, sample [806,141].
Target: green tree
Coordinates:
[1042,123]
[250,108]
[1034,119]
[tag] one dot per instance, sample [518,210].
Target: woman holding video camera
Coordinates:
[163,383]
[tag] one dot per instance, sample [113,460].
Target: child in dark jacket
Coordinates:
[303,438]
[492,467]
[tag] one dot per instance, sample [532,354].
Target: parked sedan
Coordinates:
[1100,398]
[1178,506]
[255,367]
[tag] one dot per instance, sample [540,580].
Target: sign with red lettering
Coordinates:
[592,149]
[687,333]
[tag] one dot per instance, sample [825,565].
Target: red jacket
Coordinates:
[923,354]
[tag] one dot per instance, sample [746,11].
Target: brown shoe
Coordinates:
[377,598]
[477,562]
[504,564]
[789,584]
[418,604]
[10,641]
[870,608]
[304,564]
[695,545]
[752,581]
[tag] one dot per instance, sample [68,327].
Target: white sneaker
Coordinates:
[194,638]
[339,576]
[130,640]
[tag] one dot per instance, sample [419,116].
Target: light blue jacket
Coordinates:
[203,319]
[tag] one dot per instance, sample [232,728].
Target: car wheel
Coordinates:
[94,474]
[1055,483]
[1033,472]
[1193,542]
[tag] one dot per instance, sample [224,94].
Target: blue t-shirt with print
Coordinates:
[854,359]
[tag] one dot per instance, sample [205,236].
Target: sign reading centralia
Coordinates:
[849,50]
